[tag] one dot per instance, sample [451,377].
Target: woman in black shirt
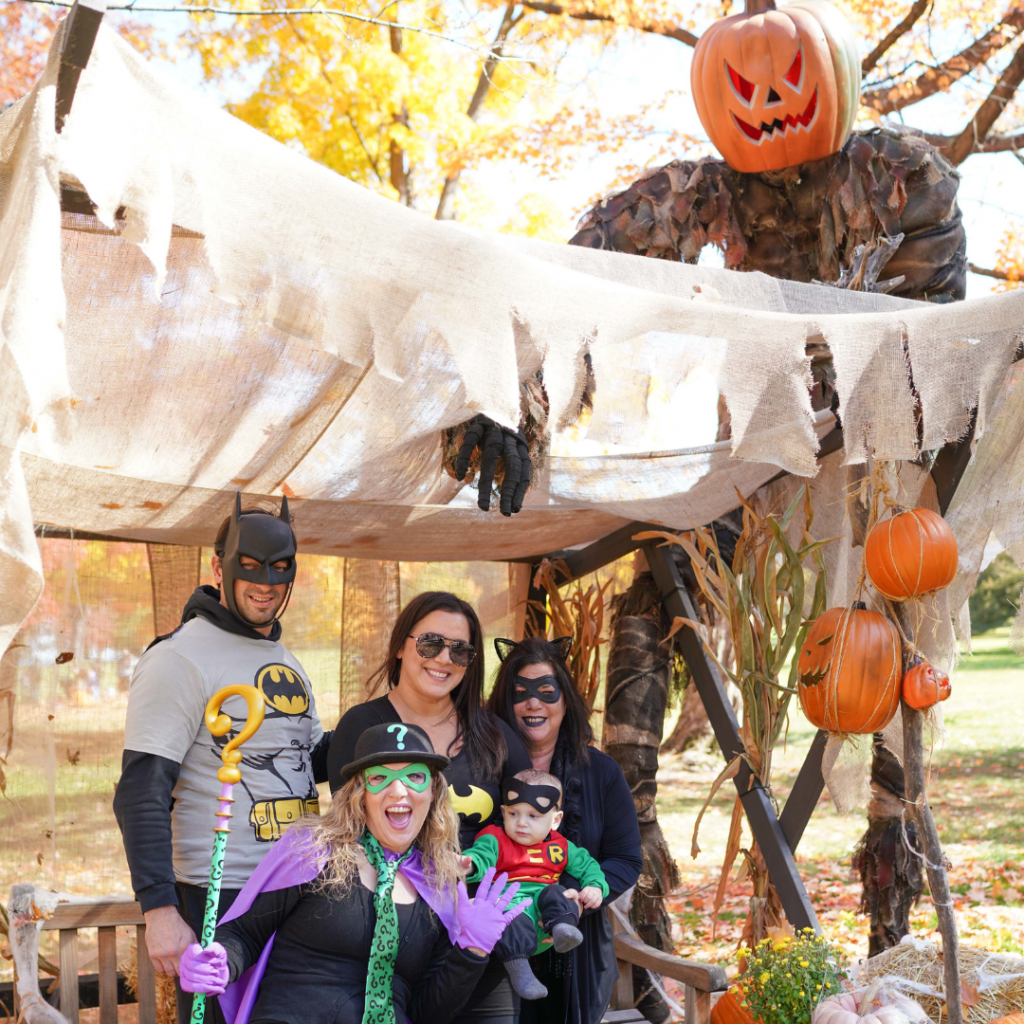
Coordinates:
[433,676]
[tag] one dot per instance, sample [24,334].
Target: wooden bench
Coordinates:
[106,917]
[698,980]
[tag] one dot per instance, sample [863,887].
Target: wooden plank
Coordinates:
[703,977]
[146,988]
[701,1010]
[580,561]
[69,975]
[94,915]
[622,993]
[80,28]
[760,811]
[803,797]
[108,974]
[950,465]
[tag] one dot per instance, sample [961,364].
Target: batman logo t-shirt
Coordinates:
[170,689]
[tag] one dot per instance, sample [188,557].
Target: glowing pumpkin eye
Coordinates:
[740,84]
[793,74]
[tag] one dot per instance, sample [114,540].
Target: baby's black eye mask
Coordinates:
[531,688]
[541,798]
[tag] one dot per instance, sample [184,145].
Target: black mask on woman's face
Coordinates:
[523,689]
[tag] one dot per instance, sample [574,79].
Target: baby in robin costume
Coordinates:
[533,853]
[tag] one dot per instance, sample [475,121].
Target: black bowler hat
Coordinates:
[393,743]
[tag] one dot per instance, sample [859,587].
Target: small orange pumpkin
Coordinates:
[1010,1018]
[774,88]
[729,1010]
[925,685]
[849,671]
[910,555]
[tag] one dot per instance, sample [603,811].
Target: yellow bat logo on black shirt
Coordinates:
[478,802]
[283,689]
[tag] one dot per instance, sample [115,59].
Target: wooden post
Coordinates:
[931,847]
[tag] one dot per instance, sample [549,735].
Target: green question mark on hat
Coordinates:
[403,729]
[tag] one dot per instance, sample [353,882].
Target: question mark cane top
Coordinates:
[220,724]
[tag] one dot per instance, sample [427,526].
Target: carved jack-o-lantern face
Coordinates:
[774,88]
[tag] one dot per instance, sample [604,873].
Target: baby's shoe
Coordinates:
[567,936]
[524,981]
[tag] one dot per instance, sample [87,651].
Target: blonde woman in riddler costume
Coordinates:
[361,918]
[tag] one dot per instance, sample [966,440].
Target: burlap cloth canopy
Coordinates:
[237,317]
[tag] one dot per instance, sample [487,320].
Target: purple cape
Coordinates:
[292,861]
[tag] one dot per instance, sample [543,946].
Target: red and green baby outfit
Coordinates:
[536,867]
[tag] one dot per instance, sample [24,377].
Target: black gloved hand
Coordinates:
[496,442]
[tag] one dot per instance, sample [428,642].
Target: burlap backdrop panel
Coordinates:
[174,575]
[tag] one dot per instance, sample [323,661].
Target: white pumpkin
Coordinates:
[846,1009]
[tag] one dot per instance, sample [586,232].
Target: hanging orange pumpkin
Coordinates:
[849,671]
[729,1010]
[910,555]
[925,685]
[774,88]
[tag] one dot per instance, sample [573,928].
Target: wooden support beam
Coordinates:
[757,805]
[580,561]
[950,465]
[803,798]
[80,29]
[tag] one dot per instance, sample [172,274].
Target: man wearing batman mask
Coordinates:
[167,795]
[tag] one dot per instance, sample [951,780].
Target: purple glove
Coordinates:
[483,919]
[205,970]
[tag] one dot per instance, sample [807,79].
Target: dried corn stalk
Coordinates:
[579,614]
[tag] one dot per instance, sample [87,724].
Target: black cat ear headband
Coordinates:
[562,645]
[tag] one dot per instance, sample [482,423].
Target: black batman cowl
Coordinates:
[205,604]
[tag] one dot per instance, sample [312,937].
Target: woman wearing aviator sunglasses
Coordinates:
[433,676]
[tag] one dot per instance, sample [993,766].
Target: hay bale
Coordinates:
[166,1005]
[914,968]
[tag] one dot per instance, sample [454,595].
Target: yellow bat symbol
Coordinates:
[478,802]
[283,689]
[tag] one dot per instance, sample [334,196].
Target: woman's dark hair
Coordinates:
[575,732]
[480,735]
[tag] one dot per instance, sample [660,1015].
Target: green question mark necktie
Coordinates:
[378,1007]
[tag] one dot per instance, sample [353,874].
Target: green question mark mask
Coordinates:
[402,774]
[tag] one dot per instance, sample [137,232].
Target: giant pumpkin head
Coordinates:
[774,88]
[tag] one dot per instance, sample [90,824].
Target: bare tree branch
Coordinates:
[509,20]
[679,34]
[973,137]
[999,275]
[917,9]
[941,77]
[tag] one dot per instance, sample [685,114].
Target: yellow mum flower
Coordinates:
[764,978]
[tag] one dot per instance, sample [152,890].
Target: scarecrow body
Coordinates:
[801,223]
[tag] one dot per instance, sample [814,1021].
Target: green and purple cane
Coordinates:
[228,775]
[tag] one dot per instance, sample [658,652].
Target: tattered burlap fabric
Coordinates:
[257,322]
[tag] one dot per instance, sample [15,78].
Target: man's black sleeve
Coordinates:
[142,806]
[318,757]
